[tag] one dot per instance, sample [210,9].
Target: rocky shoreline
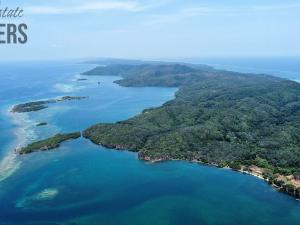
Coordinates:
[279,184]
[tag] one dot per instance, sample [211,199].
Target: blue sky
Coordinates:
[156,28]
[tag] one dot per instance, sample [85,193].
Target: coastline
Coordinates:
[24,133]
[130,134]
[23,136]
[23,130]
[257,172]
[9,164]
[283,189]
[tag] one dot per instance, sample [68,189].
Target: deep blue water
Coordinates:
[81,183]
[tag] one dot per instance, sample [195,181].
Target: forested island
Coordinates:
[39,105]
[49,143]
[248,122]
[82,79]
[42,124]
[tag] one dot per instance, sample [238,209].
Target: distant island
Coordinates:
[49,143]
[247,122]
[42,124]
[39,105]
[81,79]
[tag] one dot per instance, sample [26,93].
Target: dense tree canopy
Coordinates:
[219,117]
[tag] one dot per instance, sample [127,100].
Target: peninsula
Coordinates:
[248,122]
[49,143]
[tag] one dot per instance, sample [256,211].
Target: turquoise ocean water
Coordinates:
[81,183]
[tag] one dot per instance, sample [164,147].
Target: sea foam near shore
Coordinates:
[23,133]
[71,86]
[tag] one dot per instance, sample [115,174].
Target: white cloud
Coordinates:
[208,10]
[132,6]
[279,7]
[182,14]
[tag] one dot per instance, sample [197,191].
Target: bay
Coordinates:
[81,183]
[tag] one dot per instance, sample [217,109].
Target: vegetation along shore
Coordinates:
[49,143]
[246,122]
[39,105]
